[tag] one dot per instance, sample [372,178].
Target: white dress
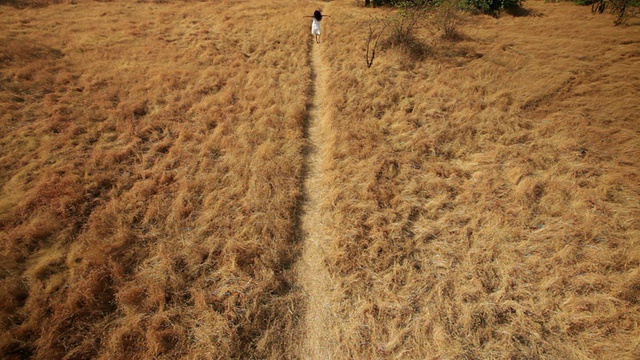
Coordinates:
[315,27]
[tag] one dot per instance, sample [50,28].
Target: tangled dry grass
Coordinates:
[483,202]
[151,157]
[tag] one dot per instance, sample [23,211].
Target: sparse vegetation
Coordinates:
[448,16]
[480,203]
[407,21]
[622,9]
[377,28]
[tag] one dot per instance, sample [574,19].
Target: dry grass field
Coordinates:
[150,176]
[485,202]
[480,201]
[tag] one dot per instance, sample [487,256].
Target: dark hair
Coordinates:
[318,15]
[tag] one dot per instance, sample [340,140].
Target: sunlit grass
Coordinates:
[150,166]
[482,202]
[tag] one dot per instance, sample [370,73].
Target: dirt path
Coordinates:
[312,274]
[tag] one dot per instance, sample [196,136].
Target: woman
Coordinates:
[315,24]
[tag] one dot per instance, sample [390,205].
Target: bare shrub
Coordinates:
[376,29]
[404,25]
[448,17]
[406,21]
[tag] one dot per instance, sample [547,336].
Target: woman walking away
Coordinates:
[315,24]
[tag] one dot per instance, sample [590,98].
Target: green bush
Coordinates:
[490,6]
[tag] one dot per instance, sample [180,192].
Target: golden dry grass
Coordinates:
[151,157]
[481,203]
[485,202]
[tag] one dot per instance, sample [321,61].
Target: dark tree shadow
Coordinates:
[457,36]
[519,11]
[18,4]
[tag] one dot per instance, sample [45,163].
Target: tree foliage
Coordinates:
[480,6]
[491,6]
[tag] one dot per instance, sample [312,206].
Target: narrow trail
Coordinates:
[312,274]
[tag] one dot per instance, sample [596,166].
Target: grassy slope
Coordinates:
[485,202]
[150,163]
